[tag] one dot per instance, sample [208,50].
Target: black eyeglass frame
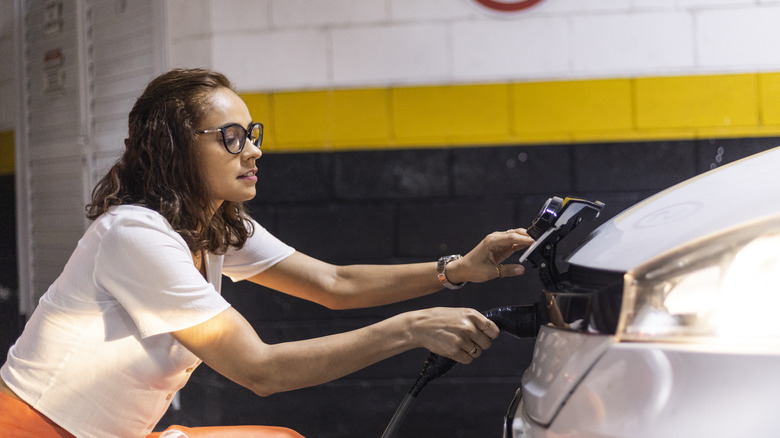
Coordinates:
[247,134]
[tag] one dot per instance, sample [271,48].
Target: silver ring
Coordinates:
[473,351]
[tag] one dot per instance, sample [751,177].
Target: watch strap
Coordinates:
[441,272]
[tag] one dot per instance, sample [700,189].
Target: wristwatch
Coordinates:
[441,272]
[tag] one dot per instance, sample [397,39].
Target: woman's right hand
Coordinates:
[458,333]
[229,344]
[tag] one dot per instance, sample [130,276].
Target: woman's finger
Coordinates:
[509,270]
[475,351]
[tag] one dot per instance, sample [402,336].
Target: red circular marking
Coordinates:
[508,7]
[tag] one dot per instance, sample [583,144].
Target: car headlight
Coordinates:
[725,287]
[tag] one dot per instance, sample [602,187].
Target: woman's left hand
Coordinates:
[485,261]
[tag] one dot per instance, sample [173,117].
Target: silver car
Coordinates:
[664,322]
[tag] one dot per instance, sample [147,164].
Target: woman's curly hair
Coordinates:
[159,168]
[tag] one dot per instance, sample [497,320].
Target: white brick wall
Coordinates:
[732,39]
[239,15]
[295,58]
[710,3]
[302,44]
[632,44]
[265,45]
[641,5]
[583,6]
[484,50]
[432,10]
[401,53]
[331,13]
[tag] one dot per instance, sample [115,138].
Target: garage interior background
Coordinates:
[397,131]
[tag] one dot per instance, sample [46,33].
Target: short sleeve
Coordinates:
[147,267]
[261,251]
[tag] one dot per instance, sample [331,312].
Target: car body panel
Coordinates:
[693,209]
[558,353]
[654,390]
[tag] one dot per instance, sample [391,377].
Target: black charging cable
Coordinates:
[522,321]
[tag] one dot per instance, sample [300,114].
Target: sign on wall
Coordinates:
[507,5]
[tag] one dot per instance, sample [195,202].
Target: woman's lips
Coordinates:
[249,176]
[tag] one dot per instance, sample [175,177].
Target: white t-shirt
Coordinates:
[96,356]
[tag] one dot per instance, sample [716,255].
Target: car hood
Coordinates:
[741,192]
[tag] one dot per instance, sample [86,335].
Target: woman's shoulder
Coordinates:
[131,220]
[130,213]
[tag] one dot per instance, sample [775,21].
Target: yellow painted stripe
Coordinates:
[572,107]
[630,109]
[7,153]
[769,95]
[450,114]
[360,117]
[697,102]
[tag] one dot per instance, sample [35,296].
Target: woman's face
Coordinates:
[229,177]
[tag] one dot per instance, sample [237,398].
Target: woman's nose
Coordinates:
[251,150]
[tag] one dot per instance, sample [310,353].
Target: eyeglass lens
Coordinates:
[234,136]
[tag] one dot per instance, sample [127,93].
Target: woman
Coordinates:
[138,307]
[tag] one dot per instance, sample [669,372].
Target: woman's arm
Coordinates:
[354,286]
[229,344]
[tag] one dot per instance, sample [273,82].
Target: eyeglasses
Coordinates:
[234,136]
